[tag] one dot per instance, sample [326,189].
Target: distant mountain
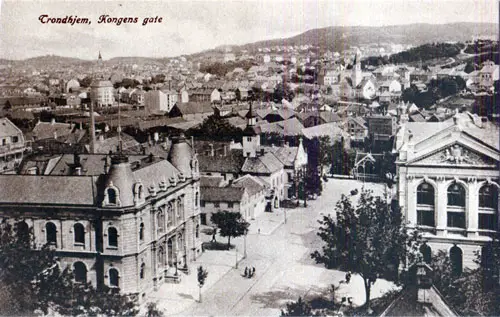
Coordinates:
[337,38]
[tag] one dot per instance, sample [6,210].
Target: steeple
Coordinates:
[251,135]
[251,120]
[356,76]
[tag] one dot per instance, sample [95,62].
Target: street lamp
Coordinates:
[244,245]
[284,212]
[236,257]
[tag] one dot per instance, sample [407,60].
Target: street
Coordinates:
[284,269]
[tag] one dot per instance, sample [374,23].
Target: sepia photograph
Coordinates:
[249,158]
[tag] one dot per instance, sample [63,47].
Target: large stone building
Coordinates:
[130,224]
[101,90]
[449,182]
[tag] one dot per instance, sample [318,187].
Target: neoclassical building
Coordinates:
[449,183]
[127,224]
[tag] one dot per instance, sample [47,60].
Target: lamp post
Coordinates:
[244,245]
[236,257]
[284,212]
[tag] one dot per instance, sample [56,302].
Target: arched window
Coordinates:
[170,255]
[23,232]
[170,215]
[112,237]
[181,207]
[111,196]
[79,233]
[456,260]
[426,253]
[141,231]
[488,207]
[488,197]
[456,206]
[142,273]
[161,257]
[114,278]
[51,233]
[456,195]
[80,272]
[140,192]
[160,220]
[425,205]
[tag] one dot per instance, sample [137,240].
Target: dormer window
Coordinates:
[111,196]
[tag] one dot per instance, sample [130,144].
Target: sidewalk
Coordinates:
[174,298]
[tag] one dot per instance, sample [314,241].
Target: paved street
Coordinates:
[284,270]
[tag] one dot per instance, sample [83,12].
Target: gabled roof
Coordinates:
[226,194]
[331,129]
[7,128]
[230,163]
[47,130]
[288,127]
[265,164]
[211,181]
[285,154]
[252,184]
[195,107]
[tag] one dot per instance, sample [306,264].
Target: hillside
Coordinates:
[337,38]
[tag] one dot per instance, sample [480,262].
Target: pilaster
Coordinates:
[472,211]
[440,203]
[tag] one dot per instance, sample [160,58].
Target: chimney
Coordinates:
[52,121]
[212,152]
[101,137]
[225,150]
[81,125]
[92,129]
[78,171]
[55,135]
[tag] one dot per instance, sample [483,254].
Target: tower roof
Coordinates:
[250,113]
[180,155]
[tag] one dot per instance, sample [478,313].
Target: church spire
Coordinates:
[250,117]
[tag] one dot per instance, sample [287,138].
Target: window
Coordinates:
[216,204]
[140,192]
[180,209]
[456,260]
[15,139]
[202,203]
[488,197]
[196,199]
[456,219]
[141,231]
[425,217]
[113,278]
[249,139]
[203,219]
[51,233]
[425,194]
[197,231]
[79,232]
[142,271]
[456,195]
[160,220]
[80,272]
[111,196]
[170,214]
[230,205]
[426,253]
[23,232]
[487,221]
[112,237]
[161,257]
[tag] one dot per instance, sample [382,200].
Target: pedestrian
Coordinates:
[246,272]
[214,232]
[259,230]
[253,270]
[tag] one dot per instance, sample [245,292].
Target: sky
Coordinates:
[192,26]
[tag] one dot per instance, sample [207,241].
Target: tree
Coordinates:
[369,239]
[37,282]
[153,311]
[230,224]
[202,276]
[298,308]
[85,82]
[216,128]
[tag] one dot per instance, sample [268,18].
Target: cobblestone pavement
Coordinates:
[281,257]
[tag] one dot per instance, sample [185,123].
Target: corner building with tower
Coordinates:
[128,224]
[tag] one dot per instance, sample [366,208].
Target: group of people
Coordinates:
[249,272]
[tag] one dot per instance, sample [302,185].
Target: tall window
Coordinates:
[456,195]
[197,231]
[425,205]
[170,214]
[79,232]
[23,232]
[141,231]
[426,253]
[456,206]
[488,207]
[160,220]
[114,278]
[112,237]
[456,260]
[180,206]
[51,233]
[161,257]
[196,199]
[80,272]
[142,273]
[111,196]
